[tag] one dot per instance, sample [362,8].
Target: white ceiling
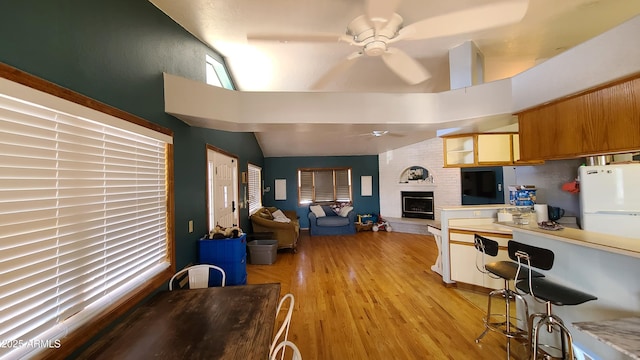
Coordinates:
[548,28]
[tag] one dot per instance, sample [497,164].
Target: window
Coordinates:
[217,73]
[254,188]
[324,185]
[83,215]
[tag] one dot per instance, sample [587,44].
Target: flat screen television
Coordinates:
[482,186]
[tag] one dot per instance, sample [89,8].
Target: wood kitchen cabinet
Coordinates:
[602,120]
[464,257]
[487,149]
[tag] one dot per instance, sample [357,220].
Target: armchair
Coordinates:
[327,222]
[286,233]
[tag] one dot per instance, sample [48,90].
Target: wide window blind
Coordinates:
[324,185]
[254,188]
[83,218]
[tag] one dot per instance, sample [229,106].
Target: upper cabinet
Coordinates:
[494,148]
[603,120]
[490,149]
[460,151]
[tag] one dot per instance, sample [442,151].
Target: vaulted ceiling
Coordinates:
[281,46]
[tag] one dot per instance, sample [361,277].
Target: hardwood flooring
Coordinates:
[371,296]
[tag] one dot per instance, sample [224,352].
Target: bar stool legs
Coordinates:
[506,328]
[550,321]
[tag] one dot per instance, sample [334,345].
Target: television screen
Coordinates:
[479,183]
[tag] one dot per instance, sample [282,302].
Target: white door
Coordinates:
[222,189]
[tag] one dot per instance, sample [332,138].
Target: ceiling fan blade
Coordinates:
[381,11]
[468,20]
[406,67]
[284,38]
[341,67]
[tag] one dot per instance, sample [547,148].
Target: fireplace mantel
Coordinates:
[417,186]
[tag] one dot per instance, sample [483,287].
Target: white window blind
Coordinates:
[324,185]
[83,216]
[343,185]
[254,187]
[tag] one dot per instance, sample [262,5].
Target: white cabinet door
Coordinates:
[465,259]
[463,268]
[494,148]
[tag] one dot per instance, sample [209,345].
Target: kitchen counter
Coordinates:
[605,266]
[611,243]
[464,218]
[622,334]
[496,228]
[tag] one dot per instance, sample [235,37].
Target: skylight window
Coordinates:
[217,74]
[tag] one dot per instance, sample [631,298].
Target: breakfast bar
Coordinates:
[604,265]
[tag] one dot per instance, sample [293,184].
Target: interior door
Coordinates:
[222,189]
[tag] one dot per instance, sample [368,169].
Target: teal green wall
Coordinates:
[287,168]
[115,52]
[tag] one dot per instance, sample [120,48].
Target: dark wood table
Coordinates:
[233,322]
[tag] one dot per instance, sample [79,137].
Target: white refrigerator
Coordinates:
[610,199]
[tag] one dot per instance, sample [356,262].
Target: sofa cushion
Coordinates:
[344,211]
[279,216]
[332,221]
[317,210]
[328,210]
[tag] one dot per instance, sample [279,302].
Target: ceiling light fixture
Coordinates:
[378,133]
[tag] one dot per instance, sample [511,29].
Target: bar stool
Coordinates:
[508,271]
[550,293]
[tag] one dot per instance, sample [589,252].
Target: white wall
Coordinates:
[429,155]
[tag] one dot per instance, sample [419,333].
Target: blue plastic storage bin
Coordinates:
[230,254]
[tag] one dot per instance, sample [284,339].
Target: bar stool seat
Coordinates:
[508,270]
[555,293]
[551,293]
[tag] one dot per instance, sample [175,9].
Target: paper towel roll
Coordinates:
[542,213]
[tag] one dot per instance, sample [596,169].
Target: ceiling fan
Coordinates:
[374,134]
[381,26]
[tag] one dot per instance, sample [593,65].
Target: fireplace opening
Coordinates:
[417,204]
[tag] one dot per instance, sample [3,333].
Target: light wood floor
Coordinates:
[373,296]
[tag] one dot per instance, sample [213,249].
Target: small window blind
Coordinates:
[254,188]
[324,185]
[305,187]
[343,185]
[83,218]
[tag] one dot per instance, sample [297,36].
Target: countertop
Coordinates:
[622,334]
[497,228]
[611,243]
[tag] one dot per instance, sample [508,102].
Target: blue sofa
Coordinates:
[332,223]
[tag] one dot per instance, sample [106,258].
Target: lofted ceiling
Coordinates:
[267,46]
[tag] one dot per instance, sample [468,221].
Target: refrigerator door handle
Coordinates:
[618,212]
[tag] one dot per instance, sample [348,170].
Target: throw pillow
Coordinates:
[344,212]
[317,210]
[279,216]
